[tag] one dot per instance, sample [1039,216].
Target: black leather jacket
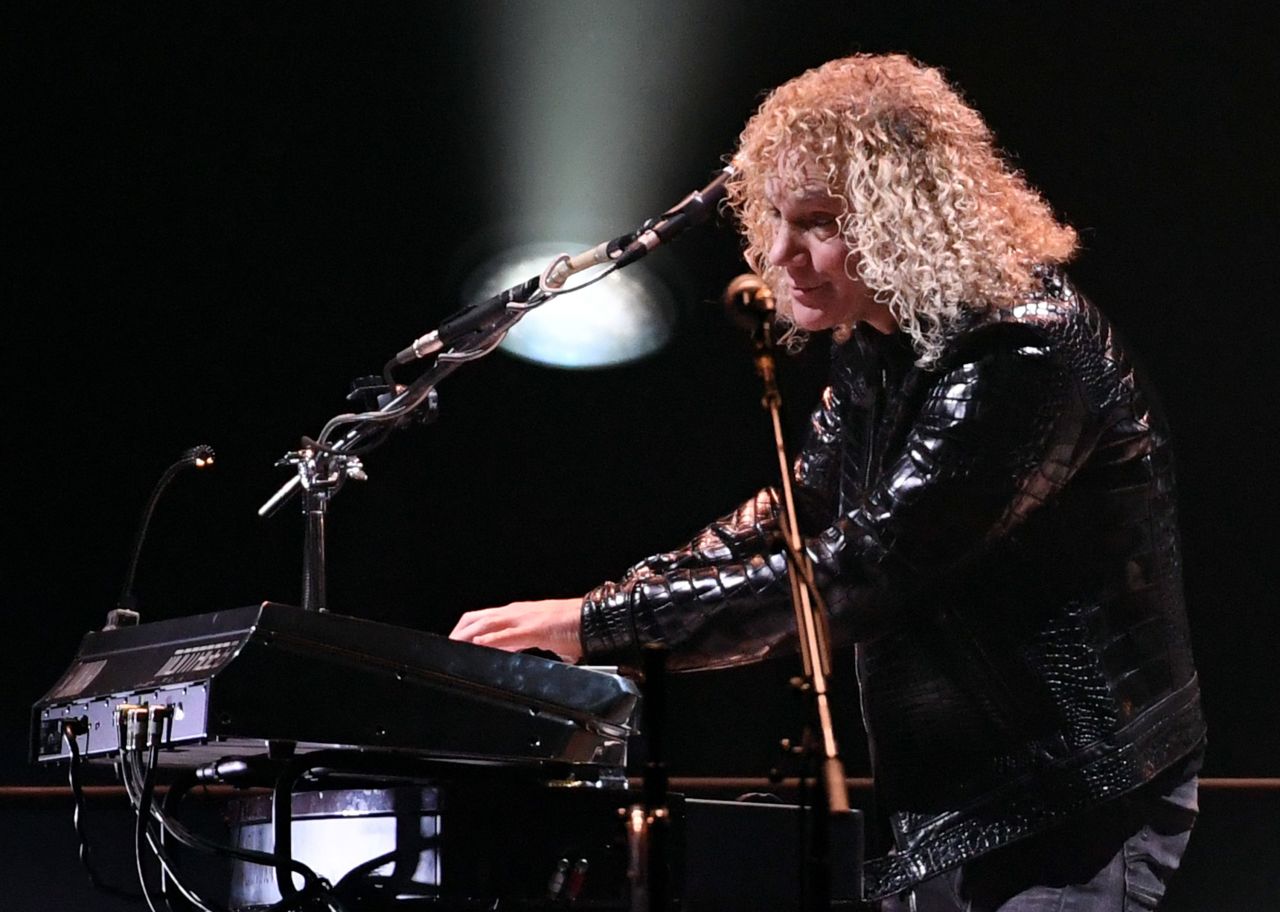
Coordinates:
[997,536]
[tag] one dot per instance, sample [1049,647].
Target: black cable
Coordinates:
[390,417]
[169,863]
[156,840]
[352,885]
[78,820]
[140,789]
[613,267]
[282,828]
[139,786]
[143,815]
[375,440]
[314,886]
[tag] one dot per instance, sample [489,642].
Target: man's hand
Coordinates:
[551,624]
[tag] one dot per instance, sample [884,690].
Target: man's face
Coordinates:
[812,254]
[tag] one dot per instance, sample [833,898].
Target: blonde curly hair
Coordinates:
[935,218]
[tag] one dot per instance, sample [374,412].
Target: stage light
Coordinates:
[621,318]
[584,135]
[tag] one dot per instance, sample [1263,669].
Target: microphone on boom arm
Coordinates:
[694,209]
[621,251]
[125,614]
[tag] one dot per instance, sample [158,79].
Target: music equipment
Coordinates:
[270,677]
[436,770]
[540,848]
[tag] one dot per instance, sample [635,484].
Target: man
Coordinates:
[988,502]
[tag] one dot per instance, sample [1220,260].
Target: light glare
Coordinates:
[621,318]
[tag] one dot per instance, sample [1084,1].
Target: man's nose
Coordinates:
[784,249]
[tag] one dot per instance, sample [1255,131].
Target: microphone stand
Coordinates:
[322,468]
[832,793]
[469,334]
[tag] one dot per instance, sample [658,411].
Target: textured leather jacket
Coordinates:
[996,536]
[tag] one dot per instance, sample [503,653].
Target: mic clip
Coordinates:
[605,252]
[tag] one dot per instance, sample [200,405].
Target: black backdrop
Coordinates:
[219,215]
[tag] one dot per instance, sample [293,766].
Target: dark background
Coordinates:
[218,216]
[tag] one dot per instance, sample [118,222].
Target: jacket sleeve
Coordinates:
[754,527]
[997,434]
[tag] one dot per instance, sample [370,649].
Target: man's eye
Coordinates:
[824,225]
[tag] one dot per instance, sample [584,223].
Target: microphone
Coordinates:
[604,252]
[749,301]
[694,209]
[469,319]
[125,614]
[627,248]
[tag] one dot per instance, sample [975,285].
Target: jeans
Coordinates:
[1118,859]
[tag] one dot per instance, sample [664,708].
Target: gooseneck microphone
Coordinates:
[126,611]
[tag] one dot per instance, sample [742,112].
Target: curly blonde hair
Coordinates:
[935,218]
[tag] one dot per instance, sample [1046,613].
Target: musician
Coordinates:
[988,502]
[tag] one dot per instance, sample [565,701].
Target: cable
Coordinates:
[394,414]
[143,829]
[359,882]
[140,788]
[138,779]
[545,293]
[314,886]
[146,809]
[139,785]
[140,830]
[556,292]
[78,816]
[368,446]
